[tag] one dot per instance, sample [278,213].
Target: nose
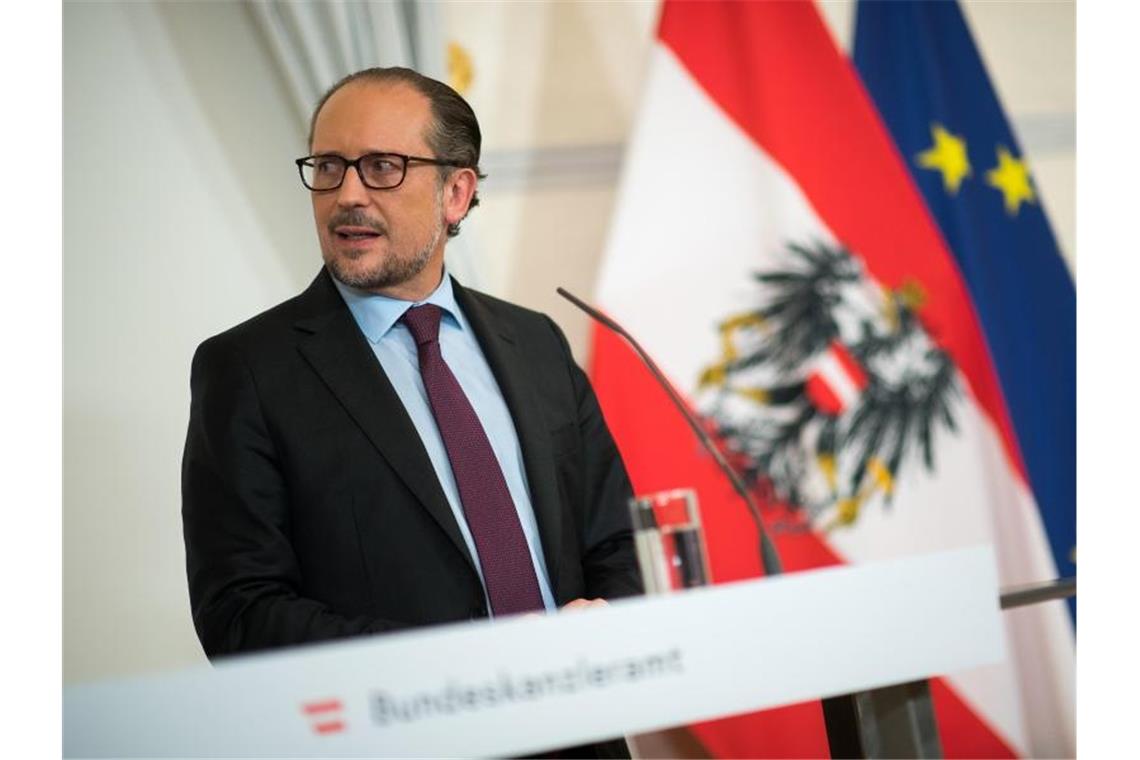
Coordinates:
[352,191]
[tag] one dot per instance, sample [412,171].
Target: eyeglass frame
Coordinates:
[355,164]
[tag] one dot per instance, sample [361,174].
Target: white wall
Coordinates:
[183,216]
[174,229]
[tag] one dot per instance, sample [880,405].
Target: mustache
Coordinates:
[356,218]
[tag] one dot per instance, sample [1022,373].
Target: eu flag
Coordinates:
[921,68]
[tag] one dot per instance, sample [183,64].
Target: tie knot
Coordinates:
[423,322]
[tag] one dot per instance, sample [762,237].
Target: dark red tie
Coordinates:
[503,554]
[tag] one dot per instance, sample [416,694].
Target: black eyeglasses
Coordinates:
[378,171]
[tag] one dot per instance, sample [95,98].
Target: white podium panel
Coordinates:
[526,684]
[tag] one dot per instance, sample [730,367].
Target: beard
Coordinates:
[392,269]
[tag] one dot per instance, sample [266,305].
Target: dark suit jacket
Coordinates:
[311,510]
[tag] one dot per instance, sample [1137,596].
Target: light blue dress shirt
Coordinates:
[379,319]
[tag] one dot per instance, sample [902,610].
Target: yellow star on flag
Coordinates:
[1011,176]
[947,155]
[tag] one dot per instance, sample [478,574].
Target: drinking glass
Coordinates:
[670,542]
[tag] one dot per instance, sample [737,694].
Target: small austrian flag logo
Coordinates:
[326,716]
[836,381]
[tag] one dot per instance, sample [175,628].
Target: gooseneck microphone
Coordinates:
[769,558]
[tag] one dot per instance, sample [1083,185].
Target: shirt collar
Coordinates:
[376,314]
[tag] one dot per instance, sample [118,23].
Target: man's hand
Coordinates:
[582,604]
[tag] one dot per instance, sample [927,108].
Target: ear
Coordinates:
[458,189]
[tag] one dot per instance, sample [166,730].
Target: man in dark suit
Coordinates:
[389,449]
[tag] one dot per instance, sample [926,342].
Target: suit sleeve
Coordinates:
[243,574]
[609,560]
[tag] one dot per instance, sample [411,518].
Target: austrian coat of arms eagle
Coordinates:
[829,387]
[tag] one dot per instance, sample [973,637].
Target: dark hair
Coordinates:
[454,134]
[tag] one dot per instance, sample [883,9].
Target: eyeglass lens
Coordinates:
[378,171]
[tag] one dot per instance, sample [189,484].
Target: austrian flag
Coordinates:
[796,290]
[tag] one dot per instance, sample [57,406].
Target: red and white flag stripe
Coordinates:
[836,382]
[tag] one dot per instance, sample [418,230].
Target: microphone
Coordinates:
[769,558]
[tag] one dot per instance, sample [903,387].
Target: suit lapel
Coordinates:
[497,339]
[339,353]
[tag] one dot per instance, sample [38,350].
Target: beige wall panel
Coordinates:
[1055,177]
[553,73]
[1030,51]
[559,238]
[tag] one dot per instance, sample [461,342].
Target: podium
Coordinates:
[524,685]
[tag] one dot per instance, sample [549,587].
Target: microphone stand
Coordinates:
[769,558]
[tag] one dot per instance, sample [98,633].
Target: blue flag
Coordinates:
[921,68]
